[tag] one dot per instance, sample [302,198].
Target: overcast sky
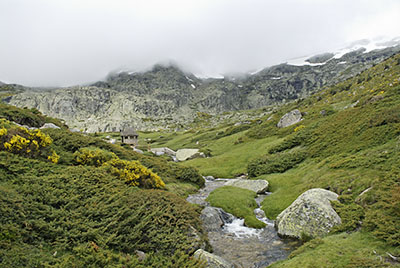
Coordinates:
[66,42]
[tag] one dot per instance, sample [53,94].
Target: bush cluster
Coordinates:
[90,219]
[296,139]
[134,174]
[276,163]
[29,143]
[92,156]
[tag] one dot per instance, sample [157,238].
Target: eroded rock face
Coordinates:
[310,214]
[213,261]
[290,118]
[258,186]
[166,96]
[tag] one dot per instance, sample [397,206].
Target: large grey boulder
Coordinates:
[213,261]
[290,118]
[311,214]
[258,186]
[185,154]
[212,221]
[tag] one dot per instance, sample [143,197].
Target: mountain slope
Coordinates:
[348,142]
[166,97]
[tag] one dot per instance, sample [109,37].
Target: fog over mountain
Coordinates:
[61,43]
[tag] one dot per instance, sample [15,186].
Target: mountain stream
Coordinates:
[243,246]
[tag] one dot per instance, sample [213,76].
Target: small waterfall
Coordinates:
[230,239]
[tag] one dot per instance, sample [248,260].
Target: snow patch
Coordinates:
[193,86]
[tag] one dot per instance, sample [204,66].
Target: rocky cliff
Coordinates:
[167,97]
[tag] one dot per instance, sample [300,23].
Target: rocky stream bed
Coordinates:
[240,245]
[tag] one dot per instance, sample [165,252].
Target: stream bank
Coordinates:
[242,246]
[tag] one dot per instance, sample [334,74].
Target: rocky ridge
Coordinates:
[168,98]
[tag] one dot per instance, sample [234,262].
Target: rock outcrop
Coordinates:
[289,119]
[49,125]
[258,186]
[185,154]
[213,261]
[311,214]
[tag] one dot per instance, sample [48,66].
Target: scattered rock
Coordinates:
[163,150]
[138,150]
[258,186]
[311,214]
[352,105]
[209,178]
[140,255]
[213,261]
[74,130]
[49,125]
[185,154]
[290,118]
[112,141]
[323,112]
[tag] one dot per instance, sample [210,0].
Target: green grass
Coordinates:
[237,201]
[356,250]
[230,159]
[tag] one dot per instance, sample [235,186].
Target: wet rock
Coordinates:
[49,125]
[212,221]
[209,178]
[213,261]
[290,118]
[310,214]
[258,186]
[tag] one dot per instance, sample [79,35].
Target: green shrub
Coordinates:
[92,156]
[30,117]
[382,217]
[296,139]
[90,219]
[190,174]
[276,163]
[232,130]
[351,215]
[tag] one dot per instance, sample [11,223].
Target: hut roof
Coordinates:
[129,131]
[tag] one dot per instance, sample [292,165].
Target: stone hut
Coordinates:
[129,136]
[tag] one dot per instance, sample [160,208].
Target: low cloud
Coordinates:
[66,42]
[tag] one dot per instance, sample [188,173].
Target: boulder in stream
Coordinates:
[211,219]
[258,186]
[311,214]
[213,261]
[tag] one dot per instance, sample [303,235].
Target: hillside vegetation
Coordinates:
[348,142]
[69,200]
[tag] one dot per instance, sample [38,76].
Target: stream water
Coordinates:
[243,246]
